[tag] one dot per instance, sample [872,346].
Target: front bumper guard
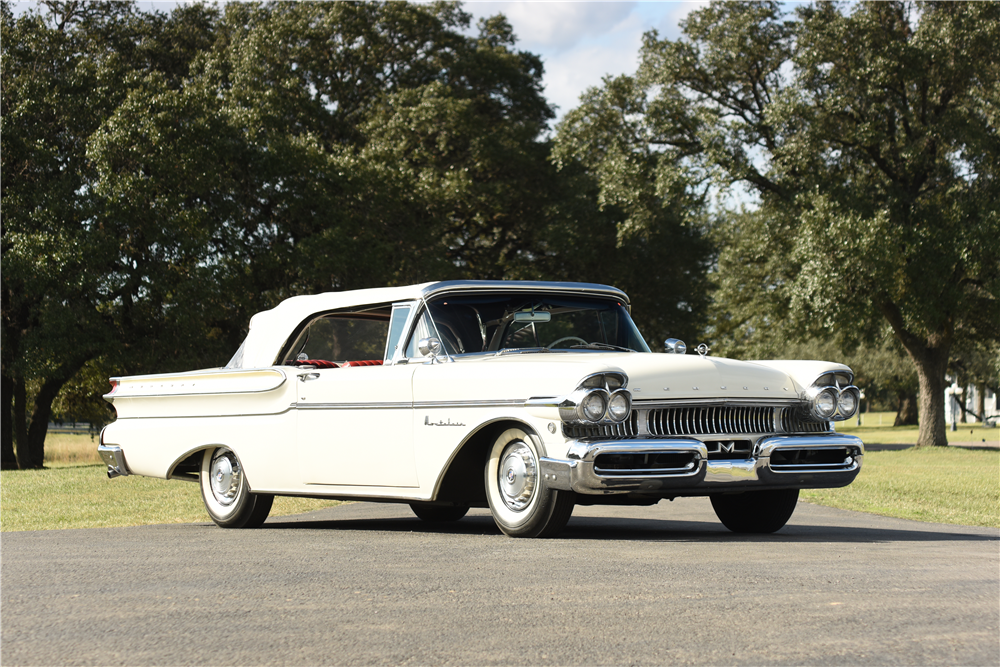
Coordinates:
[811,461]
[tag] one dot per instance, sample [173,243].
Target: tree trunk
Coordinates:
[8,461]
[29,436]
[906,409]
[930,356]
[932,364]
[41,414]
[21,451]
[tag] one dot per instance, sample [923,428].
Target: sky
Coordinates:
[582,42]
[579,42]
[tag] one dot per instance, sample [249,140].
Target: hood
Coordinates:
[685,376]
[651,376]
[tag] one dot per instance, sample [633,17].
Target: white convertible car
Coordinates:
[525,397]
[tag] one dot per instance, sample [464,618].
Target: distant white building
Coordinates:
[956,396]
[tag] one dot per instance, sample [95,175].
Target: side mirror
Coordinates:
[429,347]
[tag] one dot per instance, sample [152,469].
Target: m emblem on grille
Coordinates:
[727,447]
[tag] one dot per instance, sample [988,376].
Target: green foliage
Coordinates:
[867,134]
[637,211]
[167,176]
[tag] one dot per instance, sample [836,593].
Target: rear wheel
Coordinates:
[226,493]
[755,511]
[521,503]
[439,513]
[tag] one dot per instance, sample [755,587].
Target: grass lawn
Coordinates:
[944,485]
[74,491]
[947,485]
[877,428]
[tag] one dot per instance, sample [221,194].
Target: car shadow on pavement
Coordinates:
[644,530]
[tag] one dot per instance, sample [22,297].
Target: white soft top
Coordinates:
[269,329]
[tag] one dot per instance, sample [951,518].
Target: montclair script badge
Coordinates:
[428,422]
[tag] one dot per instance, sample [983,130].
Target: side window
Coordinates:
[340,339]
[399,317]
[423,329]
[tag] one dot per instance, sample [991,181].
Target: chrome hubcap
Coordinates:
[226,476]
[517,476]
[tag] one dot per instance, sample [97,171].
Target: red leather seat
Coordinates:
[373,362]
[317,363]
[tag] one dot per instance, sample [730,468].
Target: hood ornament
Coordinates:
[702,349]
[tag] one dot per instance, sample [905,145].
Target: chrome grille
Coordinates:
[728,420]
[702,420]
[626,429]
[790,423]
[710,420]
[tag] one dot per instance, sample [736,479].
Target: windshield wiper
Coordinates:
[601,346]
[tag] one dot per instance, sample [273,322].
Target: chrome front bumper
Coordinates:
[681,465]
[114,457]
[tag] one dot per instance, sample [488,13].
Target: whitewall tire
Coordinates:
[521,503]
[226,493]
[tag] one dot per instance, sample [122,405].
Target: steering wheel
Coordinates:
[566,338]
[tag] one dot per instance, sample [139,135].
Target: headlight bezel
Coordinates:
[605,387]
[828,400]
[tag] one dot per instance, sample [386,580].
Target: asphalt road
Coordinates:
[370,584]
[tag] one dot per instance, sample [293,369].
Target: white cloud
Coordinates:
[556,26]
[582,42]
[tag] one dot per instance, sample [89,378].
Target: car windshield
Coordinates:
[520,321]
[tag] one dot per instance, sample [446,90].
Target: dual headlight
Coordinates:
[599,398]
[833,403]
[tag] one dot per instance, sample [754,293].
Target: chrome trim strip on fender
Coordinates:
[241,415]
[421,405]
[352,406]
[124,386]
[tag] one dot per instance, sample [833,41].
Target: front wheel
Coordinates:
[756,511]
[226,493]
[521,503]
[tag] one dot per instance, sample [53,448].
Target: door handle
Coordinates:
[305,377]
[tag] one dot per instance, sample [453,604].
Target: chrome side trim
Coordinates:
[420,405]
[239,415]
[488,403]
[352,406]
[114,457]
[179,394]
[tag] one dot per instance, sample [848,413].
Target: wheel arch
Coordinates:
[462,479]
[187,467]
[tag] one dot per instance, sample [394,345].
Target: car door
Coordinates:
[355,426]
[354,414]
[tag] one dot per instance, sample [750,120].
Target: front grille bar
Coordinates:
[700,420]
